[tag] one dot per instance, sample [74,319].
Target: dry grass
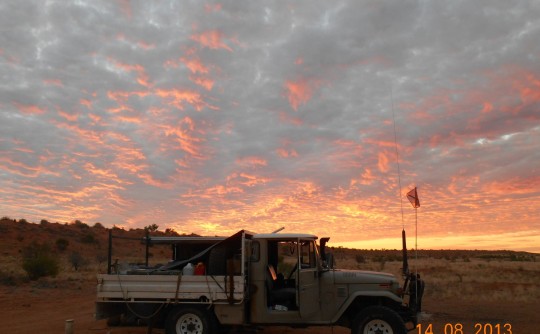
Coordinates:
[475,279]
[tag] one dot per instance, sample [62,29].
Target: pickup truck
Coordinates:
[249,279]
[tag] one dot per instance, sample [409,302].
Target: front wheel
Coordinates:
[189,320]
[378,320]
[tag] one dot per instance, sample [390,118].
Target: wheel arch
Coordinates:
[360,300]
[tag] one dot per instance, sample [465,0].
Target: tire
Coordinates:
[190,320]
[378,320]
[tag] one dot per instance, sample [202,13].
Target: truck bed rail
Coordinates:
[170,288]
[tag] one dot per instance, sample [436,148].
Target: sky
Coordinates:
[317,116]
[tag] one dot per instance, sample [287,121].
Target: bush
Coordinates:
[88,238]
[62,244]
[7,279]
[38,261]
[360,258]
[151,228]
[76,260]
[80,224]
[98,225]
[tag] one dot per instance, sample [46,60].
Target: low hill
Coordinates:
[77,244]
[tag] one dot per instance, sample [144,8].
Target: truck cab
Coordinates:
[294,283]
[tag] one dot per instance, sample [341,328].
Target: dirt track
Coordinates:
[43,308]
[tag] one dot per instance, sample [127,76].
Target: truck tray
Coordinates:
[170,288]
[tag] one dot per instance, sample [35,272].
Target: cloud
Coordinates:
[216,117]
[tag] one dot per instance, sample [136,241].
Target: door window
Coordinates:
[307,255]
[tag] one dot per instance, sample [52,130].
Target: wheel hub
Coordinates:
[378,326]
[189,324]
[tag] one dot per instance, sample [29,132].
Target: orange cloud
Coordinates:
[221,190]
[488,107]
[94,117]
[177,97]
[367,177]
[19,168]
[203,82]
[212,39]
[53,82]
[87,103]
[70,117]
[286,153]
[516,185]
[298,92]
[247,180]
[183,135]
[286,118]
[194,65]
[212,7]
[122,96]
[142,77]
[146,46]
[105,173]
[125,6]
[129,119]
[251,161]
[383,162]
[29,109]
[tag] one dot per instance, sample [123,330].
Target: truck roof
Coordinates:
[284,236]
[182,239]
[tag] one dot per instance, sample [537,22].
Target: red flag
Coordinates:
[413,198]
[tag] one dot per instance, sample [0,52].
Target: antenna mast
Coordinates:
[397,156]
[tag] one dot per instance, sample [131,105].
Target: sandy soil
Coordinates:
[44,307]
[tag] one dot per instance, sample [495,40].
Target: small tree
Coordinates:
[88,238]
[98,225]
[62,244]
[76,260]
[80,224]
[170,231]
[360,258]
[38,261]
[151,228]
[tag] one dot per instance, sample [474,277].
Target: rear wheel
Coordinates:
[378,320]
[189,320]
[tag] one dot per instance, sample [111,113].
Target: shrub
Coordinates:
[44,222]
[80,224]
[7,279]
[76,260]
[88,238]
[360,258]
[170,231]
[101,257]
[62,244]
[38,261]
[98,225]
[151,228]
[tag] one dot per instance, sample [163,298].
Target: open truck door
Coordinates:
[308,279]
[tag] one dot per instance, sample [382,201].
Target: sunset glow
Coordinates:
[209,118]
